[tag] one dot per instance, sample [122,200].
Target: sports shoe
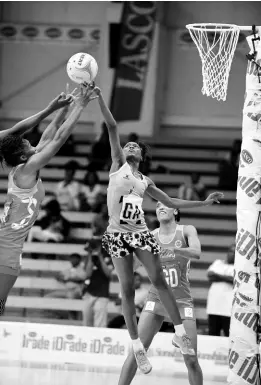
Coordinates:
[184,344]
[142,361]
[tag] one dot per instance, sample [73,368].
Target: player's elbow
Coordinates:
[197,253]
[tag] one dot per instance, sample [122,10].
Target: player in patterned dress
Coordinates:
[178,244]
[25,188]
[127,231]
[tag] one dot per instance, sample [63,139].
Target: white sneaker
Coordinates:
[142,361]
[184,344]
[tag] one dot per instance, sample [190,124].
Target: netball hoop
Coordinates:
[216,44]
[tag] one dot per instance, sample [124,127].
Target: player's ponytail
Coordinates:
[146,157]
[145,151]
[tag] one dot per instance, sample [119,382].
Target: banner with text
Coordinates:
[244,355]
[138,24]
[37,344]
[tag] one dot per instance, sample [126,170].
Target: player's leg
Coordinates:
[194,370]
[152,264]
[148,327]
[124,270]
[122,258]
[6,283]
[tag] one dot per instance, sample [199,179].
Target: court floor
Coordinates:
[40,374]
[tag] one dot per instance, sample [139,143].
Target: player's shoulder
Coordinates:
[149,181]
[189,230]
[118,167]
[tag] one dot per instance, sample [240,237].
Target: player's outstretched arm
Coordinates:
[59,118]
[50,131]
[26,124]
[194,249]
[117,156]
[176,203]
[40,159]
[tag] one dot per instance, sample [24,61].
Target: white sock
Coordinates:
[180,330]
[137,344]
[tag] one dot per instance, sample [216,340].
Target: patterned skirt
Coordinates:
[118,245]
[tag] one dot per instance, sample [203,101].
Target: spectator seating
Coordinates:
[37,279]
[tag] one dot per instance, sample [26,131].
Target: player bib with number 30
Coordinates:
[131,211]
[171,276]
